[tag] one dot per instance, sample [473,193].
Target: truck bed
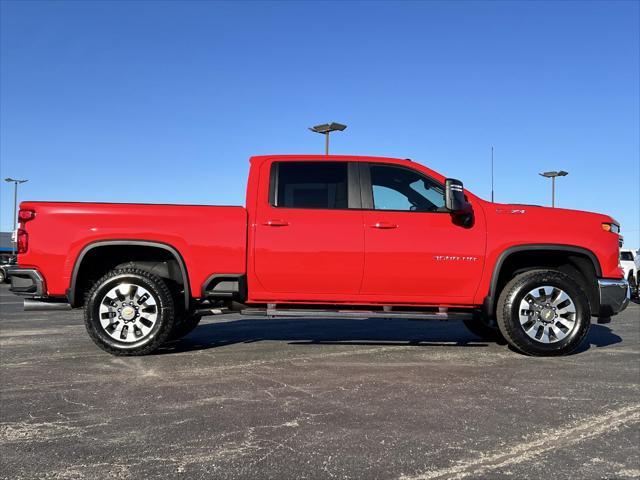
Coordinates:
[210,239]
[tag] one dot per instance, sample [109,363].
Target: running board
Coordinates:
[319,313]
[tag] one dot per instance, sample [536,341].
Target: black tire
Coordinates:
[484,327]
[185,326]
[3,277]
[633,285]
[163,311]
[508,314]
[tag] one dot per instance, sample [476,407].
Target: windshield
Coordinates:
[627,256]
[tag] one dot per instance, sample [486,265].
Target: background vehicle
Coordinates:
[6,262]
[325,236]
[3,273]
[630,264]
[6,255]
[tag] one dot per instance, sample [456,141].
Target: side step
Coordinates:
[320,313]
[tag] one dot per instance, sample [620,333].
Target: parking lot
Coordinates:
[256,398]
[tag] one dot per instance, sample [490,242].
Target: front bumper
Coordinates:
[27,282]
[614,296]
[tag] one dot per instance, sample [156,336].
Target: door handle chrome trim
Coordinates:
[384,225]
[276,223]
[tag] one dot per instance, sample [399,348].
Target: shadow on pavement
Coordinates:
[368,332]
[600,336]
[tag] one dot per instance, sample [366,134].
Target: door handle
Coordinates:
[276,223]
[384,225]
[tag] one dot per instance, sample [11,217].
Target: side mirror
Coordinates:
[454,197]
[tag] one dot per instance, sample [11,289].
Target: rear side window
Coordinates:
[310,185]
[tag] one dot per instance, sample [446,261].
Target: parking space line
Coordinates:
[580,431]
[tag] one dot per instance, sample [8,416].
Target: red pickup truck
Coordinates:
[325,236]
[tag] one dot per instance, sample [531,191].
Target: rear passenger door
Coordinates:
[309,238]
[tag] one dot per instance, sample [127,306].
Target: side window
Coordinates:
[398,188]
[626,256]
[311,185]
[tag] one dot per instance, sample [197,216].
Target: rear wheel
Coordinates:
[3,277]
[129,312]
[544,312]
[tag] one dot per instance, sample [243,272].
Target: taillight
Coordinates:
[26,215]
[22,240]
[22,237]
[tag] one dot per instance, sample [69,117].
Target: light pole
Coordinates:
[552,176]
[15,208]
[326,129]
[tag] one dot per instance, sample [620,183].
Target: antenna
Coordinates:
[492,173]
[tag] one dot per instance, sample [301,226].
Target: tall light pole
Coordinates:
[325,129]
[552,176]
[15,182]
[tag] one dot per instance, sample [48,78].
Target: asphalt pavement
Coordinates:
[248,398]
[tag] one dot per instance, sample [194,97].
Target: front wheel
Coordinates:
[484,327]
[3,277]
[185,326]
[544,313]
[129,312]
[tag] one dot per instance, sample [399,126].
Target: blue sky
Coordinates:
[165,101]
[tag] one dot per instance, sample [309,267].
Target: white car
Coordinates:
[631,264]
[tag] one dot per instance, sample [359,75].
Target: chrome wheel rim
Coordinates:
[547,314]
[128,312]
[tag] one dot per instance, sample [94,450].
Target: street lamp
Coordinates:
[552,176]
[326,129]
[15,208]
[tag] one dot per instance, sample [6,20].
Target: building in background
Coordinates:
[6,247]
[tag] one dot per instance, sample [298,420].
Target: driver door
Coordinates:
[414,253]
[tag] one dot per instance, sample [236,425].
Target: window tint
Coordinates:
[312,185]
[398,188]
[627,256]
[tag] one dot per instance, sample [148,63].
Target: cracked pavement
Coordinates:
[311,398]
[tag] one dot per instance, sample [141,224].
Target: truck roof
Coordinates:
[258,160]
[306,156]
